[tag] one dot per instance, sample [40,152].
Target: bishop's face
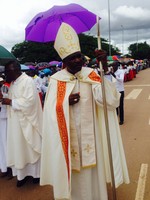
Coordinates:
[74,62]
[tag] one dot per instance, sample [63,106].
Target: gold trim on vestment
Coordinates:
[89,166]
[61,90]
[94,77]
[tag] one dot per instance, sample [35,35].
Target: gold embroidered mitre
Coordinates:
[67,41]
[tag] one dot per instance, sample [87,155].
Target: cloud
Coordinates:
[129,22]
[132,15]
[132,12]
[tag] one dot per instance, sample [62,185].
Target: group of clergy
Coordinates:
[64,144]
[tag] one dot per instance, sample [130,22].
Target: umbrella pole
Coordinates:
[106,118]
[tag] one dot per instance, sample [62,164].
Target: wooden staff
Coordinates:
[106,117]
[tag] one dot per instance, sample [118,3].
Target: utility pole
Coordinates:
[109,30]
[137,40]
[122,39]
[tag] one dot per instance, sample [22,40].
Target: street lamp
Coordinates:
[109,28]
[122,39]
[137,39]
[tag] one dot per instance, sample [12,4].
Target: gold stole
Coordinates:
[84,155]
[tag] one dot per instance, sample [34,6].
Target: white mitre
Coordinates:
[67,41]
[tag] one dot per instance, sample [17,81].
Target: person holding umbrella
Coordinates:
[74,157]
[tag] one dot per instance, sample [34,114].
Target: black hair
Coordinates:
[16,65]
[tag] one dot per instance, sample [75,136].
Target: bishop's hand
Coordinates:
[74,98]
[101,56]
[6,101]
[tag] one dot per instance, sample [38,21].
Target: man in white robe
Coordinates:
[73,160]
[24,125]
[3,133]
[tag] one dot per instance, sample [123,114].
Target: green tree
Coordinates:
[45,52]
[139,51]
[89,44]
[34,52]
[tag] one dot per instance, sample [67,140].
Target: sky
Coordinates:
[129,19]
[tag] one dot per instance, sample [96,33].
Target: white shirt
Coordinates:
[38,82]
[120,80]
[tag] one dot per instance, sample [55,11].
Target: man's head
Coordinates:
[31,72]
[115,67]
[12,71]
[74,62]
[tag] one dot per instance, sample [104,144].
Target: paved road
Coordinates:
[136,139]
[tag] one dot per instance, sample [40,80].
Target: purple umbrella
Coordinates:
[44,26]
[43,65]
[54,63]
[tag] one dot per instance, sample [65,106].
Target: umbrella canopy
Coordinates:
[43,65]
[5,56]
[44,26]
[32,67]
[54,63]
[24,67]
[2,69]
[93,63]
[47,71]
[112,58]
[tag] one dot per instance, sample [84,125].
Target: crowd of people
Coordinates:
[54,130]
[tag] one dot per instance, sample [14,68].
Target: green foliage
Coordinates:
[139,51]
[35,52]
[45,52]
[89,44]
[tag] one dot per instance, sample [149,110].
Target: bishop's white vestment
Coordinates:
[74,157]
[24,128]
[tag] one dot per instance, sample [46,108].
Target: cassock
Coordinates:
[74,157]
[24,128]
[3,138]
